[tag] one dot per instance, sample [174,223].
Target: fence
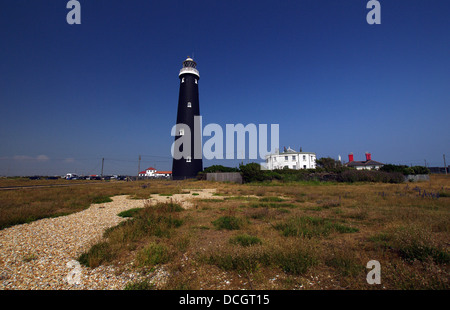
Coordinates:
[234,177]
[417,177]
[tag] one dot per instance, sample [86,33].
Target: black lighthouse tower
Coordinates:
[187,159]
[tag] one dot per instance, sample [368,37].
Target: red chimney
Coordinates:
[350,157]
[368,156]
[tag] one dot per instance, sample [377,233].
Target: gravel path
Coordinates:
[42,254]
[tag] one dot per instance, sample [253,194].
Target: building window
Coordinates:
[189,104]
[286,158]
[304,166]
[181,132]
[293,158]
[304,157]
[188,159]
[294,167]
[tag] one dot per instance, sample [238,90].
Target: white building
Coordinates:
[291,159]
[163,174]
[153,173]
[368,164]
[149,172]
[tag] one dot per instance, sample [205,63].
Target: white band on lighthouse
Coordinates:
[186,70]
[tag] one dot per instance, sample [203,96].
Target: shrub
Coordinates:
[294,261]
[129,213]
[97,254]
[405,170]
[228,222]
[252,172]
[345,263]
[240,260]
[412,243]
[245,240]
[292,258]
[101,199]
[272,199]
[219,168]
[153,254]
[370,176]
[311,227]
[159,220]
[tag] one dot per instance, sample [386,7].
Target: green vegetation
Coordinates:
[152,221]
[245,240]
[412,243]
[405,170]
[265,235]
[252,173]
[311,227]
[129,213]
[101,199]
[153,254]
[228,222]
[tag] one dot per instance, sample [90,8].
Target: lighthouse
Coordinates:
[187,150]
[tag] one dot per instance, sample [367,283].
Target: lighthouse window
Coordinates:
[181,132]
[188,159]
[189,104]
[182,80]
[196,81]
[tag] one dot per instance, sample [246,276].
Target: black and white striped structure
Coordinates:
[187,159]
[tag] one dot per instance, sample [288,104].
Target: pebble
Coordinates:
[35,256]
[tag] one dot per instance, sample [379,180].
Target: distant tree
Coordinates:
[252,172]
[220,168]
[328,163]
[405,169]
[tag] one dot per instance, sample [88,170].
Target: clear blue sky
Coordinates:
[71,95]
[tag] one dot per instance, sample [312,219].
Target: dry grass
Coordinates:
[272,236]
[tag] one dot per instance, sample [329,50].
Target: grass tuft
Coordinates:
[311,227]
[228,222]
[245,240]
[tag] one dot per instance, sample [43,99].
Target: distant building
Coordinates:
[153,173]
[163,174]
[149,172]
[368,164]
[290,159]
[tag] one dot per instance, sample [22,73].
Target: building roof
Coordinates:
[363,163]
[164,172]
[151,168]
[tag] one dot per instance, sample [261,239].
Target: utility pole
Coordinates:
[445,166]
[139,166]
[103,161]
